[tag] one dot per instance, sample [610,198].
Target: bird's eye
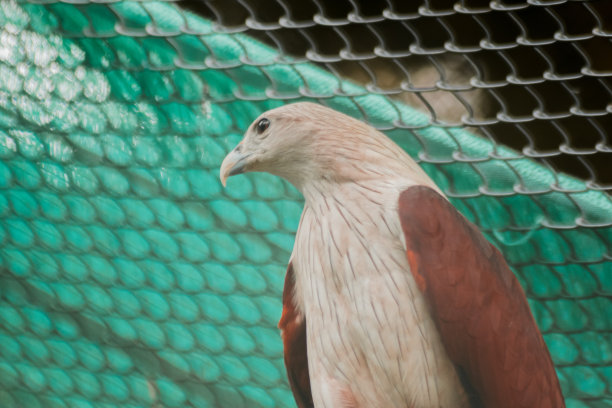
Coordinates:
[262,125]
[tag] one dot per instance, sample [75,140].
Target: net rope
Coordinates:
[130,277]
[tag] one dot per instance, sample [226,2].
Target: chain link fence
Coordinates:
[129,277]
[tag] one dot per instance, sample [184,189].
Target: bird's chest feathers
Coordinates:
[352,276]
[365,315]
[345,252]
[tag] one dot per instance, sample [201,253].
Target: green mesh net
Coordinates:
[131,278]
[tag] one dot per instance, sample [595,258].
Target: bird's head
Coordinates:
[305,142]
[278,142]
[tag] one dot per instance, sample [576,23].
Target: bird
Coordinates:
[392,298]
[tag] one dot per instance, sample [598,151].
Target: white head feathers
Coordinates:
[307,143]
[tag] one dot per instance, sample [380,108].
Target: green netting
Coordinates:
[130,277]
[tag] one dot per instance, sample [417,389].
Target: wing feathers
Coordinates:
[293,331]
[478,305]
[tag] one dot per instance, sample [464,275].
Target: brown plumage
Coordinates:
[392,298]
[478,306]
[293,329]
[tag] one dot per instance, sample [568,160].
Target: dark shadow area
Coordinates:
[537,78]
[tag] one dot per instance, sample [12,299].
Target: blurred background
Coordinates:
[533,75]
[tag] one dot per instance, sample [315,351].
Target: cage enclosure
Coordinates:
[130,278]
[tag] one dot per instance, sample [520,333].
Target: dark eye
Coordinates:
[262,125]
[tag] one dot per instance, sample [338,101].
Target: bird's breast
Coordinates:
[369,330]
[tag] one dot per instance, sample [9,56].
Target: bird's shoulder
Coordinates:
[477,304]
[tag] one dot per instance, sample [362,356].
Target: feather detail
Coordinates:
[477,305]
[293,332]
[414,319]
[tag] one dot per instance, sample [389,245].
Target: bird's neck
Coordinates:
[370,160]
[362,184]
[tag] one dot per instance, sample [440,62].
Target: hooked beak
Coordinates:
[234,163]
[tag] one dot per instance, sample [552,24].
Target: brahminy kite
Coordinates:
[392,298]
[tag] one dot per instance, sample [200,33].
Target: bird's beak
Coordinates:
[234,163]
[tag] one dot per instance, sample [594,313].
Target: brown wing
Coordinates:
[478,306]
[293,331]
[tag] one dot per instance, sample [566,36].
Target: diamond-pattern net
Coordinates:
[130,278]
